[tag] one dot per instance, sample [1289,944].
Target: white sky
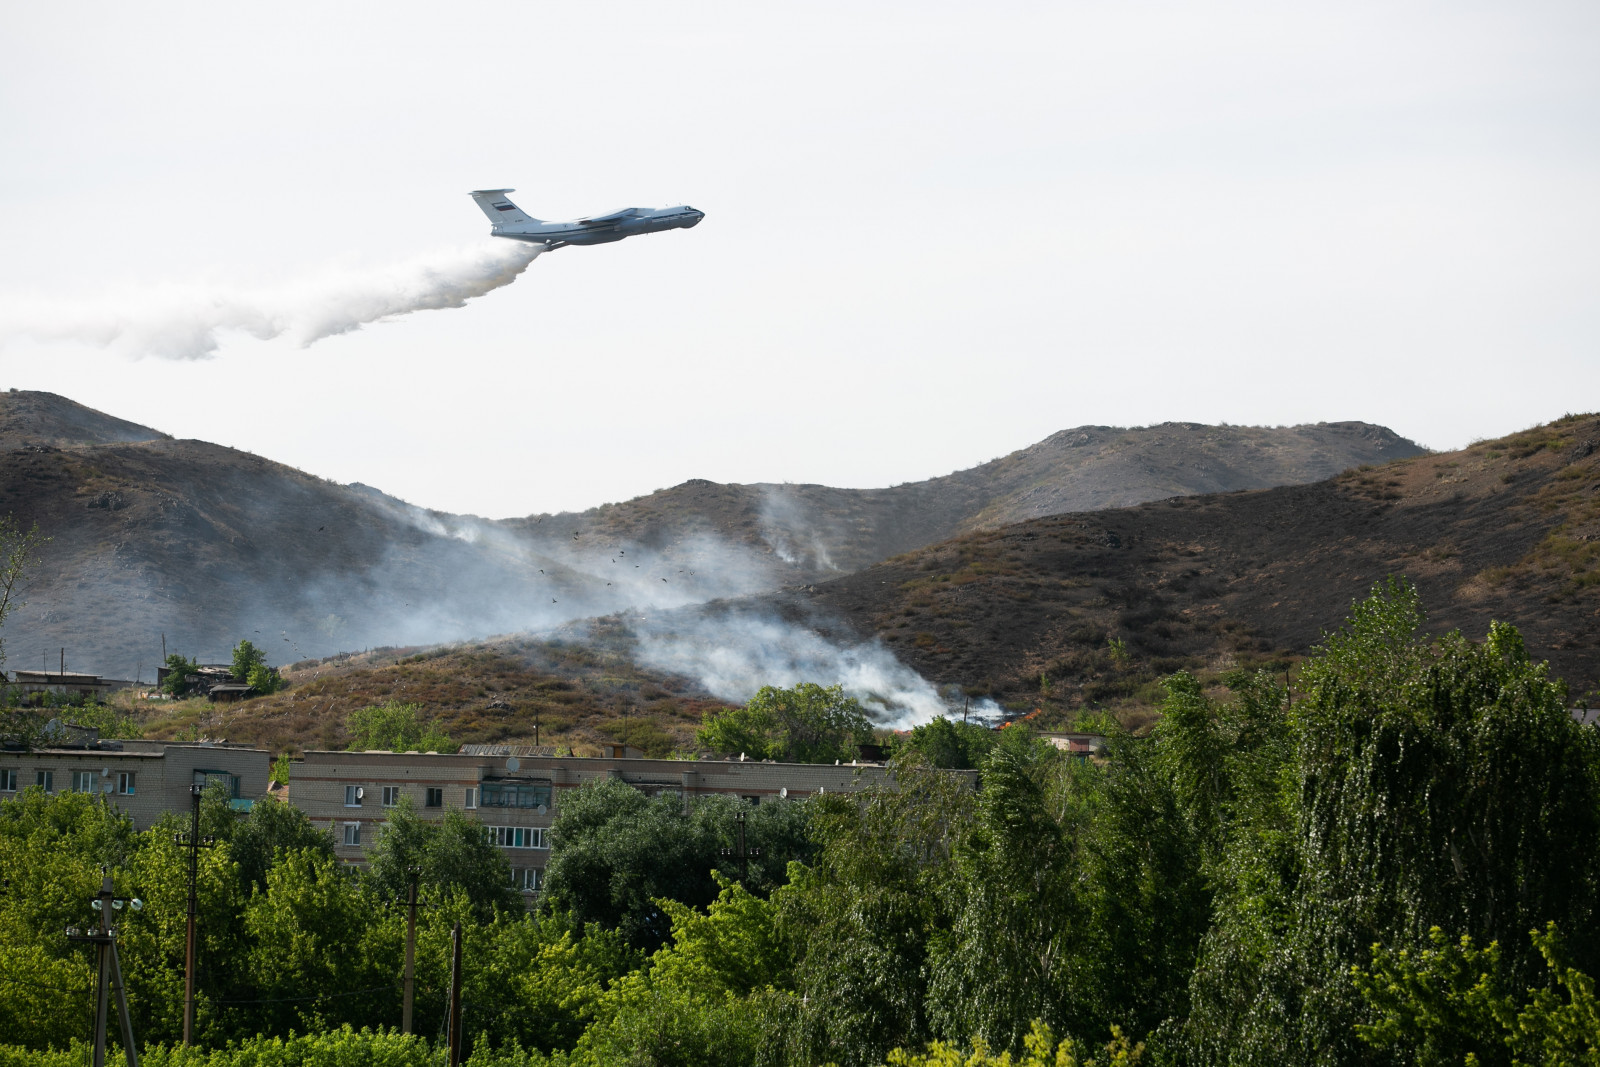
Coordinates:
[935,232]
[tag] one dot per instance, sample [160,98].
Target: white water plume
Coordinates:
[178,321]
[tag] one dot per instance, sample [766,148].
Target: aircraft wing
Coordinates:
[596,220]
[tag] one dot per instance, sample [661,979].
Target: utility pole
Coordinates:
[110,971]
[744,854]
[63,663]
[194,843]
[411,951]
[454,1034]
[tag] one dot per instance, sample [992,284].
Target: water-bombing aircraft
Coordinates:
[508,220]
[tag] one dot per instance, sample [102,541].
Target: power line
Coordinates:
[310,996]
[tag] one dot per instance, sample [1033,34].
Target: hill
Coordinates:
[822,532]
[571,693]
[1088,609]
[1050,617]
[203,544]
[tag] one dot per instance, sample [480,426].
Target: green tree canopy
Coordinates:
[453,854]
[947,743]
[396,727]
[615,853]
[807,724]
[180,672]
[1415,783]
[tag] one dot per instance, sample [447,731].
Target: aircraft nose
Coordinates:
[695,216]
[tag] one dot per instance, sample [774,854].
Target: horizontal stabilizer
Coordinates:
[501,211]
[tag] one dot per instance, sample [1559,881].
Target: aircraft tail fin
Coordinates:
[501,212]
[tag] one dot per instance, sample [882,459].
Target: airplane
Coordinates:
[508,220]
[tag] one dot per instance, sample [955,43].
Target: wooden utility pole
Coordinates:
[454,1034]
[411,953]
[194,843]
[103,986]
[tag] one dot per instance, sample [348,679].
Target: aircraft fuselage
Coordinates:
[509,221]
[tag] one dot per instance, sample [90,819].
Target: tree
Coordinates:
[806,724]
[955,745]
[1449,1004]
[616,854]
[396,727]
[17,548]
[246,658]
[862,914]
[693,1004]
[181,674]
[250,667]
[1424,783]
[452,855]
[270,830]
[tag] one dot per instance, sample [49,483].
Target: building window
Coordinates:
[391,795]
[125,783]
[352,796]
[472,797]
[518,836]
[8,781]
[83,781]
[45,780]
[528,879]
[433,798]
[230,782]
[352,834]
[514,795]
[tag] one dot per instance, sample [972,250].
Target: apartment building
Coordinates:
[517,796]
[145,779]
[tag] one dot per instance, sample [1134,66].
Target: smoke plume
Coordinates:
[188,321]
[732,654]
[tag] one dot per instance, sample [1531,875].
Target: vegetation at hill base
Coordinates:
[807,724]
[571,694]
[1397,863]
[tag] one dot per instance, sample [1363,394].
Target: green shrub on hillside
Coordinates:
[396,727]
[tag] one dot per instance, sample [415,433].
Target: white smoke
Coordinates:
[792,530]
[174,321]
[733,655]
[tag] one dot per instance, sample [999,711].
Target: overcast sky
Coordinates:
[934,232]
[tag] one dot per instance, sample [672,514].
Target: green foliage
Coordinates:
[280,769]
[690,1005]
[806,724]
[1254,882]
[862,915]
[264,679]
[396,727]
[180,672]
[616,853]
[450,855]
[111,722]
[1417,784]
[1449,1004]
[949,744]
[246,658]
[1040,1049]
[271,830]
